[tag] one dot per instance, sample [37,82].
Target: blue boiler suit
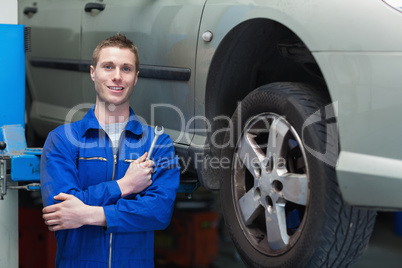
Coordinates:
[78,159]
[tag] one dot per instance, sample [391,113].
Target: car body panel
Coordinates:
[367,98]
[54,36]
[157,29]
[361,71]
[370,181]
[310,21]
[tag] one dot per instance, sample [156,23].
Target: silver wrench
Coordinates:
[157,134]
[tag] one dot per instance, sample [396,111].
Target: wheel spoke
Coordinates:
[276,225]
[263,205]
[250,153]
[276,139]
[295,188]
[250,207]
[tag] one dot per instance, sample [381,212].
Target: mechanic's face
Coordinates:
[114,76]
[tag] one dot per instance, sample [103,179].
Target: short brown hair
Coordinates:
[118,40]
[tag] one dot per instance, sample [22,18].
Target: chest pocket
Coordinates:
[92,170]
[123,166]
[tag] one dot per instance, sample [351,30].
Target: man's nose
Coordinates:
[117,74]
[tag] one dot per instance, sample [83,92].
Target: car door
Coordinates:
[165,32]
[52,69]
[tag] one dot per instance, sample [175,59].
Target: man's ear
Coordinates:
[92,72]
[136,78]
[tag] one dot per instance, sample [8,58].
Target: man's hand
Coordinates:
[137,177]
[71,213]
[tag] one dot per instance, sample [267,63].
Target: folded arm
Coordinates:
[69,207]
[59,174]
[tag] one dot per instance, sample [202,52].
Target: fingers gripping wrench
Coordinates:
[157,134]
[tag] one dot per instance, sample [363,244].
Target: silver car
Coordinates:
[290,108]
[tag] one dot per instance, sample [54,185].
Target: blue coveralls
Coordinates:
[78,159]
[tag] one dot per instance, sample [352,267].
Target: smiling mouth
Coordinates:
[116,88]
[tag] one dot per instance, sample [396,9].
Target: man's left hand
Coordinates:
[68,214]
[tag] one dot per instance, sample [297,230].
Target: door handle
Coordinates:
[91,6]
[30,10]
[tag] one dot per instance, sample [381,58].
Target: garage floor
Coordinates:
[384,250]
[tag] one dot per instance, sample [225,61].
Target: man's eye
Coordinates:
[108,67]
[126,69]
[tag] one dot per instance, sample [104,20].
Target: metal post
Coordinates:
[3,184]
[9,230]
[9,206]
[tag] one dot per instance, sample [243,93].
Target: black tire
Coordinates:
[281,203]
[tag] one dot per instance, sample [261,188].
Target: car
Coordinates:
[291,109]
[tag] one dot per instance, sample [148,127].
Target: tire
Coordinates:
[280,198]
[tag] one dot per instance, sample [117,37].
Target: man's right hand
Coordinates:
[137,177]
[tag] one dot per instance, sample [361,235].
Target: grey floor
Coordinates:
[384,250]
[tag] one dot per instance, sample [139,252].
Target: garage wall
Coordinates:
[9,206]
[9,12]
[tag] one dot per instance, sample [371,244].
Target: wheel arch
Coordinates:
[254,53]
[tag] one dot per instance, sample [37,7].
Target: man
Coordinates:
[101,196]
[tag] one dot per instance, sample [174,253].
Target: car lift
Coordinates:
[19,166]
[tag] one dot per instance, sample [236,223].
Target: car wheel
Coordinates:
[280,198]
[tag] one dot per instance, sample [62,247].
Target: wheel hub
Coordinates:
[266,191]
